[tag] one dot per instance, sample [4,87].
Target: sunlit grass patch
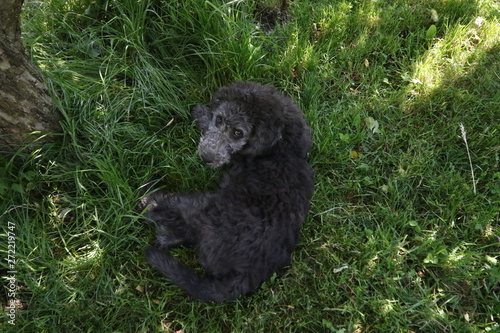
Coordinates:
[453,56]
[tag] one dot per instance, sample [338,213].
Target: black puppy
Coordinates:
[248,229]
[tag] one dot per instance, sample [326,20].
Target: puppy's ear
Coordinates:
[202,116]
[266,134]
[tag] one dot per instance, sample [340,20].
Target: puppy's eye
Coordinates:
[238,133]
[218,120]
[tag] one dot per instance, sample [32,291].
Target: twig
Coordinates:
[464,136]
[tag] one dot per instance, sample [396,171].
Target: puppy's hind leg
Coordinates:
[206,289]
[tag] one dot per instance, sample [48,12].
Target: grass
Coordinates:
[396,239]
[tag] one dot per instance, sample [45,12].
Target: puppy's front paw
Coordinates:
[149,194]
[147,203]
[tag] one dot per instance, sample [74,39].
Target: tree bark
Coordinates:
[25,104]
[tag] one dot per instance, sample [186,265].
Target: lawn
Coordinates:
[403,98]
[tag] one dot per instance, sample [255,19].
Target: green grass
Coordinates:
[396,239]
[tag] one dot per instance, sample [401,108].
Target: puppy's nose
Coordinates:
[206,159]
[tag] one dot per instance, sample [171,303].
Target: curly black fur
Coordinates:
[247,230]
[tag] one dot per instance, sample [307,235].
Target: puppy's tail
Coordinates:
[205,289]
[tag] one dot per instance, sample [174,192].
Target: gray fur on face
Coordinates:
[227,132]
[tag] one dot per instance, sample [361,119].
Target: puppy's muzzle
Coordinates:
[212,149]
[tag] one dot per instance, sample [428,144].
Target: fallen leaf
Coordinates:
[434,15]
[431,32]
[492,260]
[479,21]
[340,269]
[372,124]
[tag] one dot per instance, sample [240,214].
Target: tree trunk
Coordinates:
[25,104]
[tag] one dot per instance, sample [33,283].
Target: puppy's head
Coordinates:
[244,118]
